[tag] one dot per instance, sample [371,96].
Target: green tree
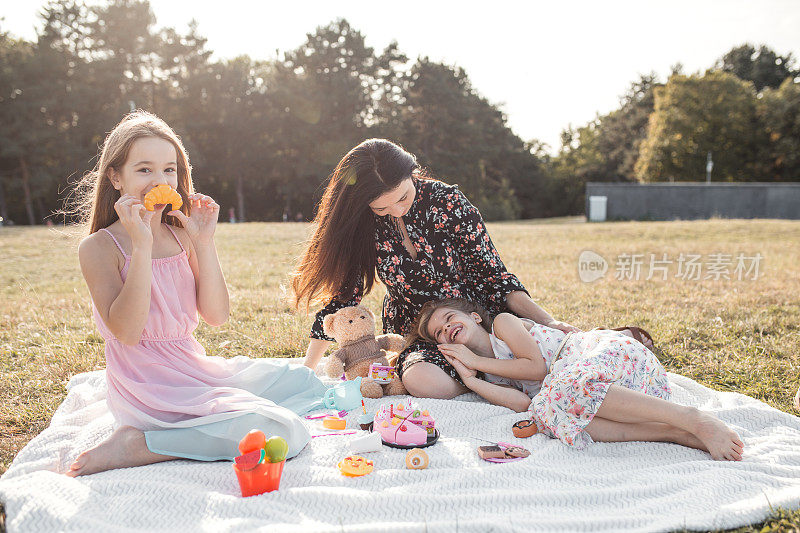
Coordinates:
[465,140]
[606,149]
[779,112]
[693,115]
[35,116]
[763,67]
[332,90]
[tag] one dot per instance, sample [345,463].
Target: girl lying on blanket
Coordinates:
[150,271]
[599,385]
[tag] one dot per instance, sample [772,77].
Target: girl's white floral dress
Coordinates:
[567,399]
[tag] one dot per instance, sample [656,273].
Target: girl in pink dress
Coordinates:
[150,273]
[598,385]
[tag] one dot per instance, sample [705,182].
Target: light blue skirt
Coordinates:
[289,390]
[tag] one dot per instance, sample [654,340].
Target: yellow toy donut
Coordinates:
[417,459]
[162,194]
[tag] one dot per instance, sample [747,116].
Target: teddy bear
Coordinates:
[354,331]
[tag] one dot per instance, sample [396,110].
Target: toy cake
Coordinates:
[403,424]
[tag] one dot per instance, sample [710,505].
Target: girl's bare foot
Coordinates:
[124,448]
[685,438]
[721,441]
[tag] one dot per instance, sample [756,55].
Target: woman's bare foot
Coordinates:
[124,448]
[797,399]
[720,441]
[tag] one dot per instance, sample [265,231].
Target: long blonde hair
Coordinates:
[95,194]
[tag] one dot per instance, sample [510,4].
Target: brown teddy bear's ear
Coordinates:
[327,325]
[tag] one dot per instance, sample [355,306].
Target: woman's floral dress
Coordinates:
[577,382]
[455,258]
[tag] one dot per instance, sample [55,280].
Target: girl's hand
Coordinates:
[203,220]
[465,373]
[136,220]
[563,326]
[458,351]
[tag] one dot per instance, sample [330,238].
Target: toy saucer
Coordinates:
[432,439]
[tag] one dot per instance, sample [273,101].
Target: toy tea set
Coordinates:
[362,358]
[401,425]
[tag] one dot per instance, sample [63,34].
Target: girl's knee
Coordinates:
[426,380]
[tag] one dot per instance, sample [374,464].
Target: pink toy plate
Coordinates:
[503,446]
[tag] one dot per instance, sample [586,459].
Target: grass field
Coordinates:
[732,335]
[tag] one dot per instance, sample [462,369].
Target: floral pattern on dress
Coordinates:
[578,381]
[455,258]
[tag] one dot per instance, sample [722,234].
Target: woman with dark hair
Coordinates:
[381,213]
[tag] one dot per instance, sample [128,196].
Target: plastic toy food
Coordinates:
[382,374]
[371,442]
[417,459]
[403,425]
[254,440]
[334,422]
[516,451]
[502,452]
[162,194]
[260,466]
[276,449]
[354,466]
[364,420]
[250,460]
[524,428]
[491,452]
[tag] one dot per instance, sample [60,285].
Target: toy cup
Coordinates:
[265,477]
[344,396]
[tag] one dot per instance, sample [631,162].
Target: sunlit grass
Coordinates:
[730,335]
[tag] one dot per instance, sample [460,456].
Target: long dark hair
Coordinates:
[340,256]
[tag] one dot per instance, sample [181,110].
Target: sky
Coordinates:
[547,65]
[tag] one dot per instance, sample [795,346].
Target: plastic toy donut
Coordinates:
[354,466]
[162,194]
[524,428]
[417,459]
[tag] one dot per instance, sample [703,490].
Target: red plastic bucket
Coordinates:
[265,477]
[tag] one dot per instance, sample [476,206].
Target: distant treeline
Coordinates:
[263,135]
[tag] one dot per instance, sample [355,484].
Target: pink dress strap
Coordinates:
[117,242]
[176,237]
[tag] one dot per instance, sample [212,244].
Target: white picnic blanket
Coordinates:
[622,486]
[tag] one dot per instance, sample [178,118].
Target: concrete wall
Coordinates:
[692,200]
